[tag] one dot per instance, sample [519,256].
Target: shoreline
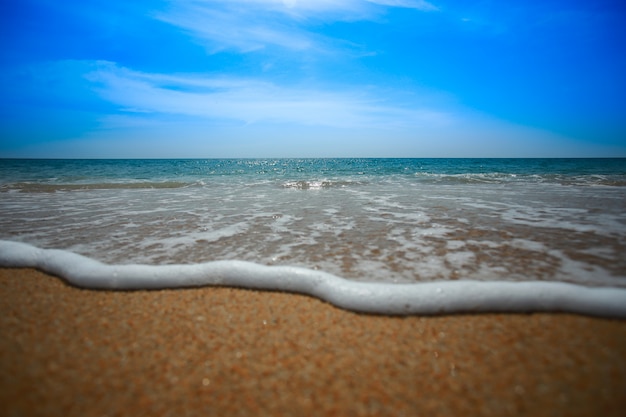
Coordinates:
[224,351]
[425,298]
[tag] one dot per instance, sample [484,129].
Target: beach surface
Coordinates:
[229,352]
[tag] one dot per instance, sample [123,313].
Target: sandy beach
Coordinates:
[228,352]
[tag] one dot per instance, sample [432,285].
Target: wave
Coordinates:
[505,178]
[35,187]
[445,297]
[316,185]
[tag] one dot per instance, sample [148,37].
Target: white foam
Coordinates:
[455,244]
[436,230]
[556,218]
[460,259]
[399,299]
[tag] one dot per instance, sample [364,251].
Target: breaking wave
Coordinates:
[319,184]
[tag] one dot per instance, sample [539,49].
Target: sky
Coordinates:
[312,78]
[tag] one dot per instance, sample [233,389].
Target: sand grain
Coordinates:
[220,351]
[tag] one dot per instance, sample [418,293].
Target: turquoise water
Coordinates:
[384,220]
[14,173]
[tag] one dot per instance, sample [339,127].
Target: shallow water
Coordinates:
[404,220]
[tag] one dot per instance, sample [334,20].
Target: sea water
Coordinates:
[382,221]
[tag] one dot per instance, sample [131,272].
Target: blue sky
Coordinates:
[317,78]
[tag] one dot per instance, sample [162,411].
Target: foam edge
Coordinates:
[428,298]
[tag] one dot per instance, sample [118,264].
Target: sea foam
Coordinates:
[444,297]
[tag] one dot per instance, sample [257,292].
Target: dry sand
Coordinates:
[217,351]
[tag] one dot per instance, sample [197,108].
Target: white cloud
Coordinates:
[251,101]
[251,25]
[318,6]
[243,30]
[198,115]
[411,4]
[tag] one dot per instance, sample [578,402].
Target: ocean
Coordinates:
[384,221]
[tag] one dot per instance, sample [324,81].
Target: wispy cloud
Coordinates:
[243,30]
[411,4]
[248,101]
[252,25]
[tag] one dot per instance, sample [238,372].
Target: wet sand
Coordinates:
[229,352]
